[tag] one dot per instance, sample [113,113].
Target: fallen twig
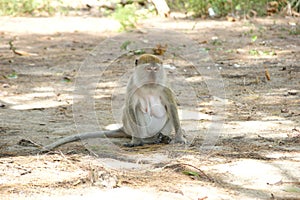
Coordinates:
[189,165]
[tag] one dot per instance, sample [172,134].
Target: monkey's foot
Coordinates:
[163,139]
[131,144]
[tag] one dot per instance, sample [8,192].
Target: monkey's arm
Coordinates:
[173,114]
[119,133]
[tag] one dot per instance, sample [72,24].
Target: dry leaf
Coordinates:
[267,74]
[160,49]
[231,19]
[203,42]
[23,53]
[272,7]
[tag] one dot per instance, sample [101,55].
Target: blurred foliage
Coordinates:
[228,7]
[27,7]
[295,4]
[126,15]
[129,14]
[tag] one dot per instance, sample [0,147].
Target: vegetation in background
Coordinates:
[129,14]
[129,11]
[232,7]
[221,7]
[27,7]
[126,15]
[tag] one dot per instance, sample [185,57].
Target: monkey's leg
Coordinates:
[159,138]
[164,135]
[132,122]
[145,131]
[140,134]
[135,141]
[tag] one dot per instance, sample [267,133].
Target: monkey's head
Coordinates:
[149,70]
[148,58]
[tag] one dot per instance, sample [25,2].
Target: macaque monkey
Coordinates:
[150,111]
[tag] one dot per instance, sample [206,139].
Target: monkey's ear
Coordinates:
[136,62]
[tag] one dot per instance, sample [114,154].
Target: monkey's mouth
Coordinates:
[152,76]
[151,84]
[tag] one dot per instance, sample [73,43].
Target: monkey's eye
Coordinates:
[152,68]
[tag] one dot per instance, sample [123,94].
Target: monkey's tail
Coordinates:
[118,133]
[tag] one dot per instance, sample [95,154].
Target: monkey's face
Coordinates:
[149,73]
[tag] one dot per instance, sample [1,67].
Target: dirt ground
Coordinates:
[255,155]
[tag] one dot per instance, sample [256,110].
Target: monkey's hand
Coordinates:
[179,137]
[164,139]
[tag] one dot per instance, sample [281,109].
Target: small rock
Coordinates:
[292,92]
[5,85]
[211,12]
[284,110]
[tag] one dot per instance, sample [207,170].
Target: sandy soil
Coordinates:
[61,60]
